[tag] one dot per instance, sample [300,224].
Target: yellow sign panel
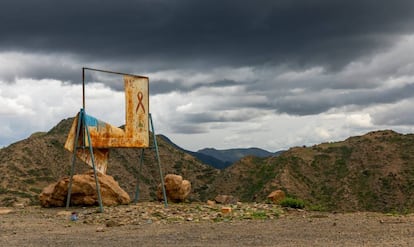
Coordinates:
[104,135]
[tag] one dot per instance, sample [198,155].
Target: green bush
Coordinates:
[317,207]
[292,203]
[259,215]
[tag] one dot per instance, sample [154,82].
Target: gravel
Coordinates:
[197,224]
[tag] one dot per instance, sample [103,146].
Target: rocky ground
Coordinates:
[199,224]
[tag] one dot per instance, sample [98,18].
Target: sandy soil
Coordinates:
[151,224]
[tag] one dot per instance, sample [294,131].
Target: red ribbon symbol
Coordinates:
[140,97]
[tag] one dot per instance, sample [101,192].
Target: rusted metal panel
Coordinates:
[137,110]
[136,133]
[104,135]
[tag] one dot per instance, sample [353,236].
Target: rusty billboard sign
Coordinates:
[104,135]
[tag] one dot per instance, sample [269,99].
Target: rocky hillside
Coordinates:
[29,165]
[373,172]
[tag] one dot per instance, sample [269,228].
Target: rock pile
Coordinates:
[84,191]
[226,199]
[277,196]
[176,188]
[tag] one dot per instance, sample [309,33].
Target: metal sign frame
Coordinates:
[82,127]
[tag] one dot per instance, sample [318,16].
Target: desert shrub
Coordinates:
[317,207]
[292,203]
[259,215]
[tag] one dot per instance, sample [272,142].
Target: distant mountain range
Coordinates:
[221,159]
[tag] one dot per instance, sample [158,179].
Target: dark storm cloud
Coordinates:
[163,86]
[188,128]
[166,34]
[206,117]
[315,103]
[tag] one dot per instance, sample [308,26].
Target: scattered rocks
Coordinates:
[112,223]
[226,210]
[211,203]
[189,224]
[64,213]
[156,213]
[100,229]
[226,199]
[84,191]
[5,211]
[19,205]
[277,196]
[176,188]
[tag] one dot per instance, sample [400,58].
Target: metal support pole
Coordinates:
[72,171]
[83,88]
[159,162]
[98,189]
[141,161]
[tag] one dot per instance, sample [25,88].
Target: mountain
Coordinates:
[373,172]
[229,156]
[206,159]
[29,165]
[221,159]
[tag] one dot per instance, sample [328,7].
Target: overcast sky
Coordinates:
[224,74]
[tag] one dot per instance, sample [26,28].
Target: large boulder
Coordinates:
[176,188]
[84,191]
[277,196]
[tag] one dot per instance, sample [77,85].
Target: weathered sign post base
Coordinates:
[84,128]
[159,166]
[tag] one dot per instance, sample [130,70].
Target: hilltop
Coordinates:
[31,164]
[373,172]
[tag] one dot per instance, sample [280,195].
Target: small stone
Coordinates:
[112,223]
[19,205]
[5,211]
[64,213]
[211,203]
[226,210]
[100,229]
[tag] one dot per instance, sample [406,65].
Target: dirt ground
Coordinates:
[152,224]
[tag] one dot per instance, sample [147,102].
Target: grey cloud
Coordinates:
[218,116]
[279,36]
[163,86]
[188,128]
[314,103]
[159,34]
[398,117]
[400,114]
